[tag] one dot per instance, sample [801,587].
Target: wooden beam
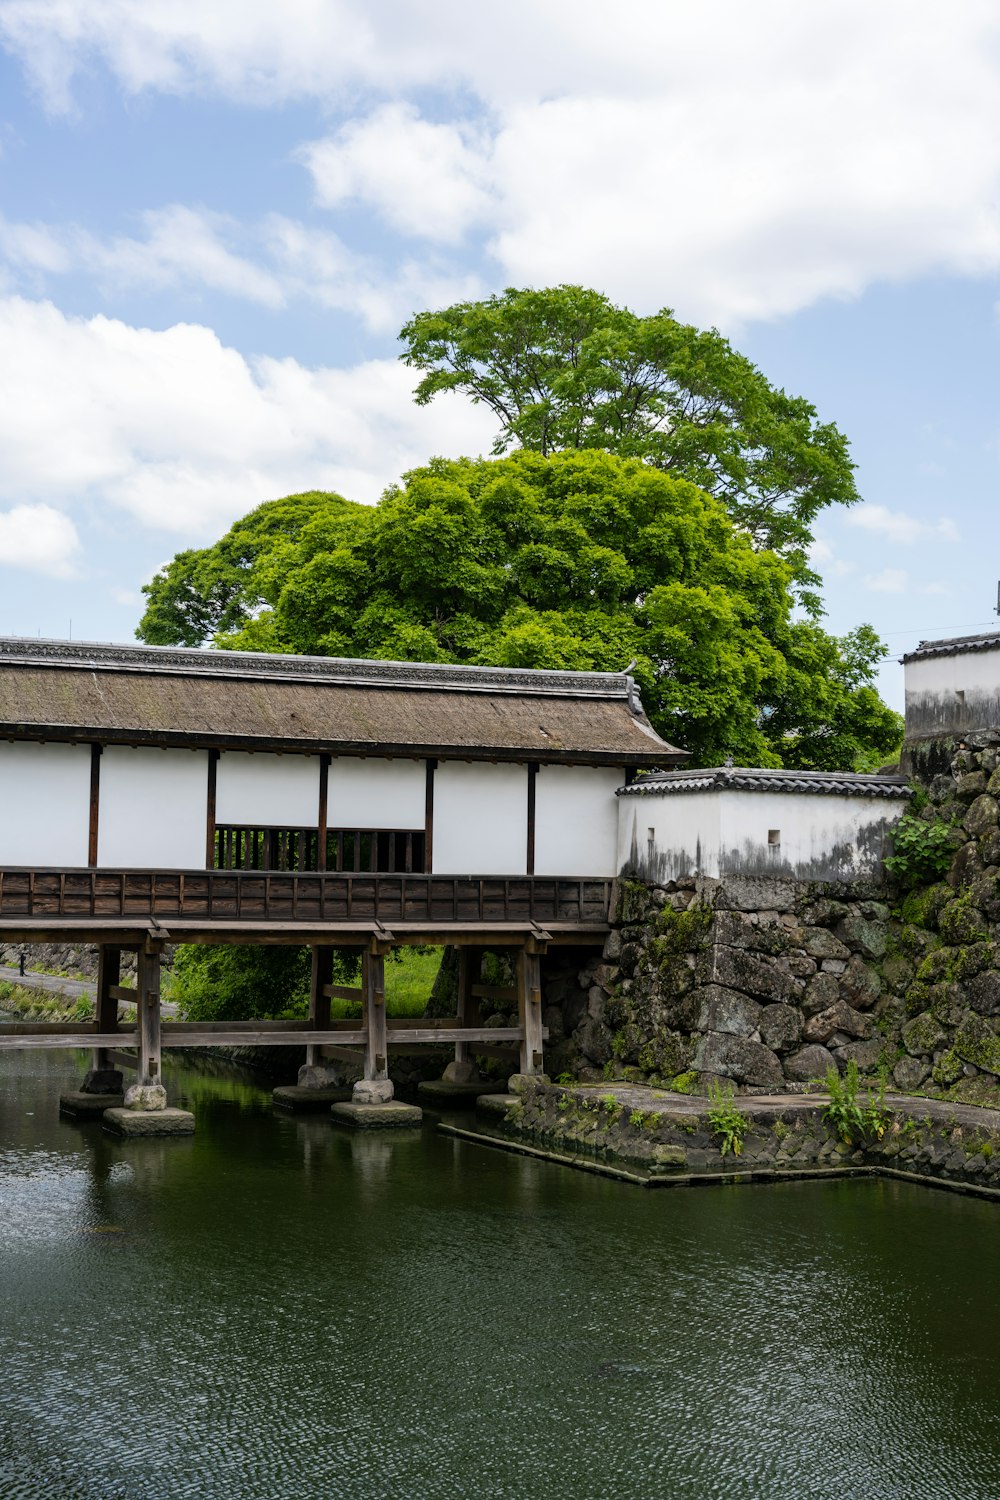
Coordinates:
[213,780]
[343,992]
[529,1006]
[323,816]
[495,991]
[148,1013]
[319,994]
[109,963]
[95,804]
[65,1038]
[373,984]
[429,818]
[532,791]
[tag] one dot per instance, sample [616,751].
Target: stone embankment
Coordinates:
[674,1137]
[770,983]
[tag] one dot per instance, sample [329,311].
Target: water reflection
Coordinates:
[280,1308]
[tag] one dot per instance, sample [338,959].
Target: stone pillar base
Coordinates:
[81,1106]
[373,1091]
[103,1081]
[146,1096]
[388,1116]
[301,1100]
[135,1122]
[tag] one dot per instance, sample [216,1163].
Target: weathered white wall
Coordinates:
[665,837]
[153,809]
[44,804]
[822,837]
[267,791]
[933,688]
[576,820]
[369,793]
[715,833]
[480,819]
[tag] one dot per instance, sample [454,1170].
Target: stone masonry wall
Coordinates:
[769,983]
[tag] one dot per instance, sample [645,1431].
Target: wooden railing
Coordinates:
[233,895]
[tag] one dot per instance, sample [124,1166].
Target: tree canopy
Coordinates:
[583,559]
[564,368]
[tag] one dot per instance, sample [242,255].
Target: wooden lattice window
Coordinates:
[296,850]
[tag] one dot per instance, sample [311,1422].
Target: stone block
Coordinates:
[146,1122]
[80,1105]
[103,1081]
[809,1063]
[148,1097]
[306,1100]
[820,943]
[372,1091]
[984,993]
[839,1017]
[722,1009]
[392,1115]
[755,974]
[780,1027]
[909,1073]
[737,1058]
[495,1106]
[441,1093]
[981,816]
[865,936]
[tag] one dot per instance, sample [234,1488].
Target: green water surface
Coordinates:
[280,1310]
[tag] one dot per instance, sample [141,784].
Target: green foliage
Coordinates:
[921,851]
[584,560]
[684,1083]
[563,368]
[854,1122]
[727,1123]
[233,982]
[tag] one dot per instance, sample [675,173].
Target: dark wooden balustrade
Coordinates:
[250,896]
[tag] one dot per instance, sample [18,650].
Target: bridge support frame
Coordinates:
[529,1005]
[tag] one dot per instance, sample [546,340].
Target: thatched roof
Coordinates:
[241,700]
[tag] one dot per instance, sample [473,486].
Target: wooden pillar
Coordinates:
[319,1001]
[109,970]
[469,965]
[148,1001]
[373,1002]
[529,1006]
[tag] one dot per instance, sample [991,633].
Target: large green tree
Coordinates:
[579,560]
[564,368]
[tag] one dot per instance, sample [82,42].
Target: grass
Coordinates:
[408,983]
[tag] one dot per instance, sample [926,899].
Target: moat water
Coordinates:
[279,1310]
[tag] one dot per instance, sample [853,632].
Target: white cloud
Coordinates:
[736,161]
[424,179]
[185,434]
[38,539]
[899,527]
[194,249]
[824,559]
[889,581]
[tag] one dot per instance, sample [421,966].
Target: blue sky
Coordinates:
[213,221]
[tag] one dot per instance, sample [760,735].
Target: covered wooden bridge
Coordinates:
[158,795]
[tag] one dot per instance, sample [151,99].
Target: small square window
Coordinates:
[774,838]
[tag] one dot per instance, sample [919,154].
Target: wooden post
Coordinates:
[529,1006]
[469,965]
[429,818]
[213,779]
[148,1001]
[109,969]
[532,795]
[319,1003]
[95,802]
[373,1001]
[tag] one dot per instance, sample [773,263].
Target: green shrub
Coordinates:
[728,1124]
[855,1123]
[921,851]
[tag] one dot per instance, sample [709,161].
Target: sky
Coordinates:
[215,218]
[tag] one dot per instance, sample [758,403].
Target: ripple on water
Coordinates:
[278,1310]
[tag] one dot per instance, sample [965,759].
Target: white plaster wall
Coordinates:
[480,818]
[576,820]
[44,804]
[821,837]
[933,685]
[267,791]
[368,793]
[153,809]
[685,835]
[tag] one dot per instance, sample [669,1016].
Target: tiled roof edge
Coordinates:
[957,646]
[442,677]
[750,779]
